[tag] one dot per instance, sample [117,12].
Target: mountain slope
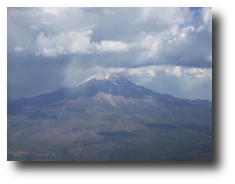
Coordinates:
[109,118]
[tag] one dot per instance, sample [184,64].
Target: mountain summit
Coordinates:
[102,76]
[109,84]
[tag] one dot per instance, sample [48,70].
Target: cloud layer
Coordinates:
[143,44]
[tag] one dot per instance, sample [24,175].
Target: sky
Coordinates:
[168,50]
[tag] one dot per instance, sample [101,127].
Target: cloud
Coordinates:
[149,45]
[175,71]
[52,11]
[207,18]
[139,72]
[209,58]
[194,71]
[151,73]
[145,36]
[185,86]
[18,49]
[186,30]
[154,47]
[72,42]
[111,46]
[174,15]
[33,27]
[198,73]
[108,12]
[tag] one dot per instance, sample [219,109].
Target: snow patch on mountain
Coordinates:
[101,76]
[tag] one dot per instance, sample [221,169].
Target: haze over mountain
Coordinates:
[109,118]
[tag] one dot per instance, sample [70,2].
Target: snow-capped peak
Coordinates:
[101,76]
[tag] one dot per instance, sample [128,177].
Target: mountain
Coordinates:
[109,118]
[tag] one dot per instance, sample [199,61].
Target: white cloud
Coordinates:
[200,28]
[52,11]
[186,30]
[150,46]
[111,46]
[141,71]
[18,49]
[72,42]
[173,71]
[162,71]
[199,73]
[206,16]
[174,30]
[75,42]
[194,71]
[151,73]
[174,15]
